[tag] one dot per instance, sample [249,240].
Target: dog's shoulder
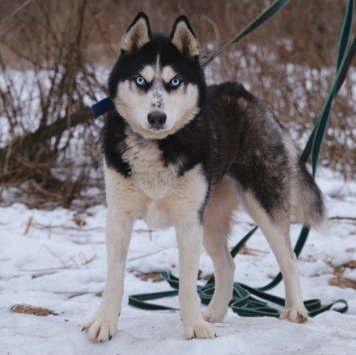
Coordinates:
[247,118]
[114,143]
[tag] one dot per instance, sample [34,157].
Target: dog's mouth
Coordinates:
[153,132]
[156,129]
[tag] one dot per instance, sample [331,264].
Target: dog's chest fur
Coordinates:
[149,172]
[155,188]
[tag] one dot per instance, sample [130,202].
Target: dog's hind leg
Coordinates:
[217,227]
[276,231]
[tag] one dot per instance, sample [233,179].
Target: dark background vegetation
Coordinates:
[52,56]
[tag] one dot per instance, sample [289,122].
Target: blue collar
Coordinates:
[101,107]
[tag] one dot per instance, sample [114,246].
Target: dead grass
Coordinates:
[339,280]
[37,311]
[150,276]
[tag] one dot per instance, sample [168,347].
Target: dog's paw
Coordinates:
[295,315]
[101,329]
[214,316]
[199,331]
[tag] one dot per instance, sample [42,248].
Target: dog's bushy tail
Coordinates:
[311,207]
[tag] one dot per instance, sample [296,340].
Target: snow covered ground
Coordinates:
[57,260]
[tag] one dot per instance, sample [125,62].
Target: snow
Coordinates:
[48,260]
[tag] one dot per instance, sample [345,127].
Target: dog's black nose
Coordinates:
[156,119]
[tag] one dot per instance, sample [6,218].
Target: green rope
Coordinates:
[258,21]
[242,301]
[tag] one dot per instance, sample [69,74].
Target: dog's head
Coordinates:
[157,84]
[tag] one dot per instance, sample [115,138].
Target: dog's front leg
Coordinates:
[189,237]
[118,232]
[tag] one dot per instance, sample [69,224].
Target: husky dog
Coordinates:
[179,153]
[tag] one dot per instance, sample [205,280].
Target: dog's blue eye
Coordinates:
[140,81]
[174,83]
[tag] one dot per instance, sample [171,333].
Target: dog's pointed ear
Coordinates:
[183,37]
[137,34]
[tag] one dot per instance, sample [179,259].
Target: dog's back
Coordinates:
[262,158]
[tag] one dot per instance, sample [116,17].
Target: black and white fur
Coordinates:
[179,153]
